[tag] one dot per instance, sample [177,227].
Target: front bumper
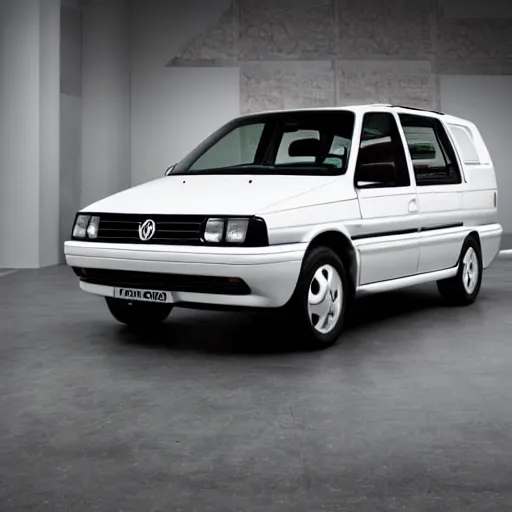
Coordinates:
[271,273]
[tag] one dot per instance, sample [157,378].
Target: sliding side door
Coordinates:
[387,236]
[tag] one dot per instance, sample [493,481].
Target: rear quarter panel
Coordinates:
[480,189]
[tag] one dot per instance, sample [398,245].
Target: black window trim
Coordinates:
[446,145]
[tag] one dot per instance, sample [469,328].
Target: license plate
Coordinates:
[143,295]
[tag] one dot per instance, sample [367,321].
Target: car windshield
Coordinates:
[301,143]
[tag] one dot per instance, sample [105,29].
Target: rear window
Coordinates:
[465,143]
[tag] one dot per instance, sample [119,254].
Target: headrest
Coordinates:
[305,147]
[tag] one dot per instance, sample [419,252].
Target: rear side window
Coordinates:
[464,140]
[432,154]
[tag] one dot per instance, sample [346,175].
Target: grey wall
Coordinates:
[95,105]
[19,129]
[29,132]
[174,108]
[105,140]
[70,117]
[64,119]
[49,131]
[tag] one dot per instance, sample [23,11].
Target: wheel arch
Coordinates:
[474,234]
[342,245]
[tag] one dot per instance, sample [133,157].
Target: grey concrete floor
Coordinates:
[411,412]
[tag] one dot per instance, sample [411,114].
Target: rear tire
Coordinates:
[463,288]
[138,314]
[316,311]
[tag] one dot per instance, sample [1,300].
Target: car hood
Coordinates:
[209,194]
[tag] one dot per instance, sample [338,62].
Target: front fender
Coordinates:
[301,225]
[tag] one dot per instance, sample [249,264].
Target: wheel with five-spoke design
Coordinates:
[320,300]
[463,288]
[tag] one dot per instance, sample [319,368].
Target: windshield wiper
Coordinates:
[227,170]
[282,169]
[244,166]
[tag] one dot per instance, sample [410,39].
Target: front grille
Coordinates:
[163,282]
[170,229]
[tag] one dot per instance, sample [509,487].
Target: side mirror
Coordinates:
[169,170]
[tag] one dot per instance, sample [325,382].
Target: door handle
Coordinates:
[413,206]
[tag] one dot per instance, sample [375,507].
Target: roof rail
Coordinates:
[419,109]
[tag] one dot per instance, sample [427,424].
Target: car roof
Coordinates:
[373,107]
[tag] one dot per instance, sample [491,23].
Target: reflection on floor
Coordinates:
[6,271]
[506,242]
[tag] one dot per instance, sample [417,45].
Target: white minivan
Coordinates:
[298,211]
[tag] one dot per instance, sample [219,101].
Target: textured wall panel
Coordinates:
[72,4]
[214,45]
[401,29]
[497,9]
[280,85]
[474,66]
[286,29]
[399,82]
[476,40]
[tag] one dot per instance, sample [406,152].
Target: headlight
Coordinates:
[92,229]
[233,231]
[236,231]
[86,227]
[249,232]
[214,230]
[80,228]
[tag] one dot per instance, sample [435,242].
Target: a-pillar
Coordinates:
[29,132]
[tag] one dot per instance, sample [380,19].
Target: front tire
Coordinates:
[138,314]
[318,305]
[463,289]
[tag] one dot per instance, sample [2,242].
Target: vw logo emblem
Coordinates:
[147,230]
